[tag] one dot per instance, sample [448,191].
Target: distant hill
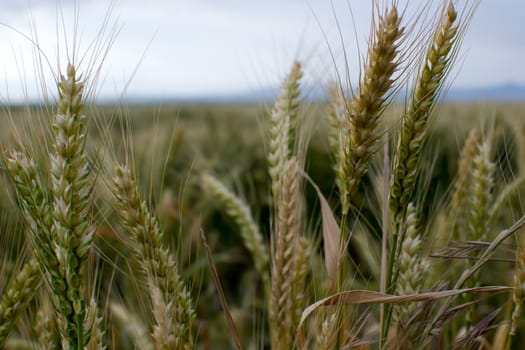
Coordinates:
[499,93]
[504,93]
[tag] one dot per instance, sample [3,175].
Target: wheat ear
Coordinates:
[171,299]
[366,107]
[71,190]
[132,325]
[59,219]
[415,122]
[330,329]
[412,266]
[240,212]
[337,137]
[460,196]
[283,126]
[282,313]
[480,192]
[17,296]
[45,327]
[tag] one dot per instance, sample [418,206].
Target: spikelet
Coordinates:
[164,281]
[415,122]
[240,212]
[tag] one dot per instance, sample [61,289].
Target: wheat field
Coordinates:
[366,220]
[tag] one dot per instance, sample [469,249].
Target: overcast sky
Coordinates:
[191,48]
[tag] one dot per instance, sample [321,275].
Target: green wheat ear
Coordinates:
[58,215]
[240,212]
[17,297]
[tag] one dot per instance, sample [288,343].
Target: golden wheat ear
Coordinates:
[361,136]
[283,127]
[415,123]
[285,296]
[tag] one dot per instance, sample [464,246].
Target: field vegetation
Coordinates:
[364,221]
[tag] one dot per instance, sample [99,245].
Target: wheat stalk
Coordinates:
[172,302]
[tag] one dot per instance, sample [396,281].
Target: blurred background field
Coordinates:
[173,145]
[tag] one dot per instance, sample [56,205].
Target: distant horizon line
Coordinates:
[503,92]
